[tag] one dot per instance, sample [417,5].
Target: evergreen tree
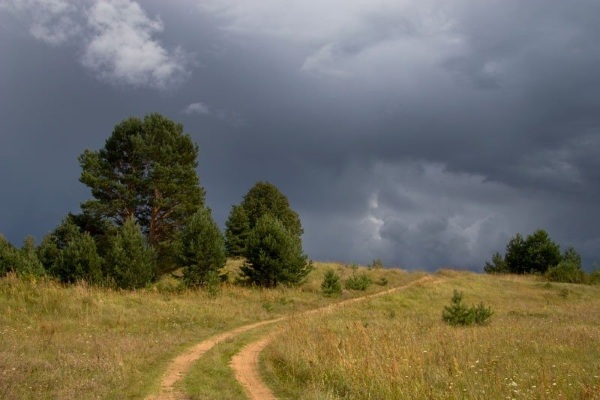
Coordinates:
[130,261]
[7,256]
[516,255]
[26,260]
[274,255]
[203,249]
[571,256]
[237,229]
[497,266]
[146,171]
[53,243]
[264,198]
[77,260]
[331,285]
[542,253]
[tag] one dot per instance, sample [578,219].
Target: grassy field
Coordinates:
[79,342]
[543,343]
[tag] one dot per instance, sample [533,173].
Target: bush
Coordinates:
[568,272]
[594,277]
[382,281]
[459,314]
[331,285]
[376,264]
[358,282]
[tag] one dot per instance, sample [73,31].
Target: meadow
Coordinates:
[541,343]
[80,342]
[83,342]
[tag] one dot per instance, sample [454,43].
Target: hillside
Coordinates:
[87,342]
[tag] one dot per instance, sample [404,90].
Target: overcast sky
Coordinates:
[426,133]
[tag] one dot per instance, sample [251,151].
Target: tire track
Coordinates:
[246,366]
[245,363]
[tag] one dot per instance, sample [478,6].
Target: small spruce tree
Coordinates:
[7,256]
[26,260]
[237,229]
[274,255]
[130,262]
[331,285]
[203,250]
[497,266]
[459,314]
[78,261]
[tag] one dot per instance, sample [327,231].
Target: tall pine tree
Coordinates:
[146,171]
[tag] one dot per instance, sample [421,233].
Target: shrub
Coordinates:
[331,285]
[213,283]
[594,277]
[566,271]
[383,281]
[376,264]
[459,314]
[358,282]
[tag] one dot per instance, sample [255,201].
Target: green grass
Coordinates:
[542,343]
[211,377]
[59,342]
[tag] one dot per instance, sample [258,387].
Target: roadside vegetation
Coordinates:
[541,342]
[81,341]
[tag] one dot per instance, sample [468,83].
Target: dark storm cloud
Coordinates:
[426,133]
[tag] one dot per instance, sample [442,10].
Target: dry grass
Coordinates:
[542,343]
[80,342]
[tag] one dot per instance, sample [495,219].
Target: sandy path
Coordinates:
[180,366]
[245,363]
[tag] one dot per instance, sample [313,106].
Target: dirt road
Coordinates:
[245,363]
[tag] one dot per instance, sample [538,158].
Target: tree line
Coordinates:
[148,217]
[538,254]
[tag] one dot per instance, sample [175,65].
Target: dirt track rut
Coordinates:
[245,363]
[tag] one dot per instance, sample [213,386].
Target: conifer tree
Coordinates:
[130,261]
[7,256]
[78,260]
[26,260]
[146,171]
[274,255]
[203,249]
[237,229]
[265,198]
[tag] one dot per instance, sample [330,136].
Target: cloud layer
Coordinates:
[425,133]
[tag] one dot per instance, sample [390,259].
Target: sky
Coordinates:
[424,133]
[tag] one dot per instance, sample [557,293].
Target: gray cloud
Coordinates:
[425,133]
